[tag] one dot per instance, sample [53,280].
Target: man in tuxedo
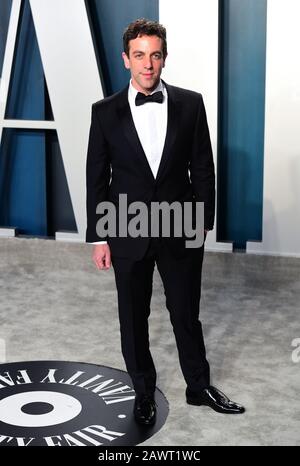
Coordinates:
[151,142]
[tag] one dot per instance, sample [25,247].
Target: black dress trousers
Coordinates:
[182,285]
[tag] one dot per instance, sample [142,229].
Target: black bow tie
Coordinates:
[142,98]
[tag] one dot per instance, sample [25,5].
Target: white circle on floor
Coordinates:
[65,408]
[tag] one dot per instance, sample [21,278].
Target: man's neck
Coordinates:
[145,91]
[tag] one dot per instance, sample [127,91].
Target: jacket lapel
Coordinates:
[174,111]
[131,133]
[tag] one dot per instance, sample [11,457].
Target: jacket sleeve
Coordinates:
[202,170]
[97,176]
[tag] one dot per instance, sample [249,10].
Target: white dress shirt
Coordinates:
[150,121]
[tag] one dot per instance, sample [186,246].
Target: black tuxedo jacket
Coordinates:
[117,164]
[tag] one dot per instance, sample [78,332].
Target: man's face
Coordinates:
[145,62]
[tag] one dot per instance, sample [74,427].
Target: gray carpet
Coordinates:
[54,304]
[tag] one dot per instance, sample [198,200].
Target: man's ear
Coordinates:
[126,60]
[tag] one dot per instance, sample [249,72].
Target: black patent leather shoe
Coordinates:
[215,399]
[145,409]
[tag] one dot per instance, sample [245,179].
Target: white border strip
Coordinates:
[193,63]
[7,232]
[8,59]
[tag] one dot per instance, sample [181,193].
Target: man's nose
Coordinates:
[148,63]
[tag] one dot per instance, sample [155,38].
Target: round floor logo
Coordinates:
[57,403]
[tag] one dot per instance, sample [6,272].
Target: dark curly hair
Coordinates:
[144,27]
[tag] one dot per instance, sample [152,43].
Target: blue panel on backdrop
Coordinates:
[26,98]
[26,200]
[241,120]
[60,212]
[5,8]
[22,181]
[108,20]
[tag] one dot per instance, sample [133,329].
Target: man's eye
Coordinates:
[157,56]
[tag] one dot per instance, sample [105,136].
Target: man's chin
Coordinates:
[150,85]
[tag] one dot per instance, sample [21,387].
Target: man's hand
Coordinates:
[101,256]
